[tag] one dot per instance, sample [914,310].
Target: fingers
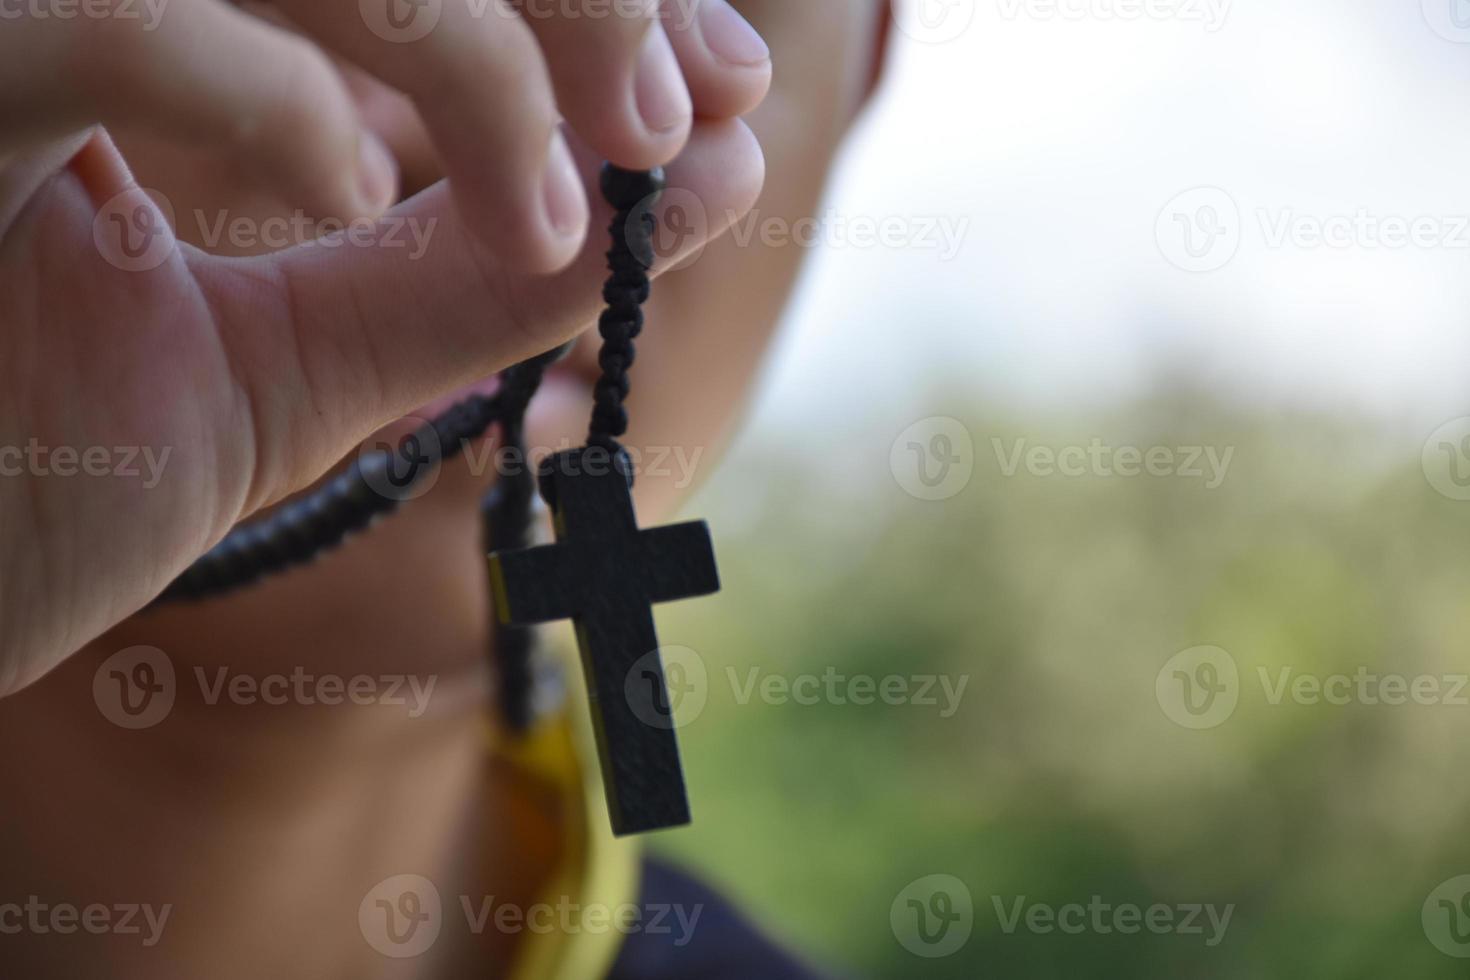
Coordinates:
[617,78]
[725,61]
[491,81]
[630,77]
[203,73]
[368,333]
[476,75]
[728,83]
[392,116]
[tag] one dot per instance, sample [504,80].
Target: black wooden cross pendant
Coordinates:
[604,574]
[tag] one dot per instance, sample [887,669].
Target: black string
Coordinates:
[372,487]
[508,512]
[375,485]
[633,195]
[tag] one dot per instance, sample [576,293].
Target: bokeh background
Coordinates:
[1121,279]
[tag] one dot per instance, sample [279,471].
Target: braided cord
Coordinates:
[372,487]
[633,194]
[508,513]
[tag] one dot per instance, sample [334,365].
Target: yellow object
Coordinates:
[593,869]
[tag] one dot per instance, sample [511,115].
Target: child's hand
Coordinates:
[246,379]
[222,802]
[489,78]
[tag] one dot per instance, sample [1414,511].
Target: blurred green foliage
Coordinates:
[1060,777]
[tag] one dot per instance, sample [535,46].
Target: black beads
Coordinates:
[633,194]
[371,488]
[627,189]
[508,511]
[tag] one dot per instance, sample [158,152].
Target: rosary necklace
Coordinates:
[602,572]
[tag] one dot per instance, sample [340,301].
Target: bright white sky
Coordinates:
[1054,141]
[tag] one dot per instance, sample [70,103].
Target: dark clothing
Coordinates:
[723,945]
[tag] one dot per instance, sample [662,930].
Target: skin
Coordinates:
[264,826]
[291,359]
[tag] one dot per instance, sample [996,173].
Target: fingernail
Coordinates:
[566,202]
[729,36]
[663,99]
[377,174]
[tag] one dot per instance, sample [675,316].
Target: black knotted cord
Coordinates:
[633,194]
[375,484]
[372,487]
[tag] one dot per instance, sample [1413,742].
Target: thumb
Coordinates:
[332,340]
